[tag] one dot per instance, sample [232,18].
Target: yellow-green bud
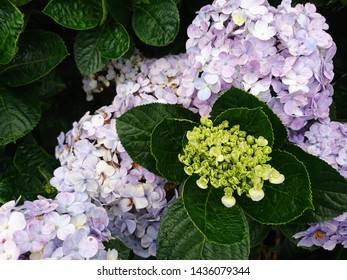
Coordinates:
[228,158]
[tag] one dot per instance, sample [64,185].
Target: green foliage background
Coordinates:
[47,46]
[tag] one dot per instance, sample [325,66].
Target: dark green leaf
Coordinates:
[135,128]
[219,224]
[166,143]
[76,14]
[120,10]
[329,188]
[88,58]
[284,202]
[34,160]
[156,23]
[253,121]
[123,251]
[39,52]
[18,116]
[235,97]
[45,87]
[104,12]
[257,232]
[12,22]
[178,238]
[20,2]
[114,41]
[25,185]
[340,98]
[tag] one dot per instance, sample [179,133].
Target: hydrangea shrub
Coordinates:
[211,146]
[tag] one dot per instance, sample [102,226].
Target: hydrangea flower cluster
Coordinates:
[140,80]
[94,162]
[328,142]
[282,55]
[228,158]
[68,227]
[325,234]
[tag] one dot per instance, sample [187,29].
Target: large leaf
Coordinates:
[235,97]
[34,160]
[39,52]
[76,14]
[114,41]
[219,224]
[18,115]
[166,144]
[87,57]
[340,98]
[156,23]
[257,232]
[284,202]
[179,239]
[120,10]
[135,128]
[20,2]
[45,87]
[329,188]
[12,21]
[253,121]
[26,186]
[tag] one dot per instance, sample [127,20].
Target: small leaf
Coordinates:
[12,22]
[329,188]
[18,115]
[166,143]
[120,10]
[235,97]
[26,186]
[114,41]
[179,239]
[34,160]
[76,14]
[219,224]
[253,121]
[39,52]
[87,57]
[156,23]
[135,128]
[284,202]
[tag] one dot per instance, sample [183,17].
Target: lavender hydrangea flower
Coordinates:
[276,54]
[328,141]
[95,169]
[43,230]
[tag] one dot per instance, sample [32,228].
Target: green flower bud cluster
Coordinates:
[228,158]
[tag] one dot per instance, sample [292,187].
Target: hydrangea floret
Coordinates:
[228,158]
